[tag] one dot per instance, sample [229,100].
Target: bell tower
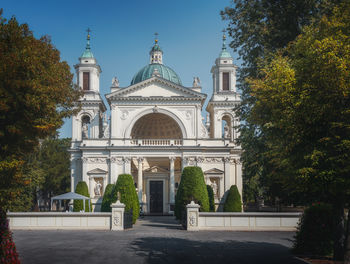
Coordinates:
[88,122]
[224,97]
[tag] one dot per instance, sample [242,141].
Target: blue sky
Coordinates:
[123,33]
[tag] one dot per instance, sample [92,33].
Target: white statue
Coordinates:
[215,188]
[115,82]
[85,130]
[226,131]
[196,81]
[98,188]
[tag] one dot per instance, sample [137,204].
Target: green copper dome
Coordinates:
[156,48]
[164,71]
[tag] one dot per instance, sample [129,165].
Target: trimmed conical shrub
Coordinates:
[128,196]
[233,202]
[192,187]
[82,189]
[211,198]
[107,198]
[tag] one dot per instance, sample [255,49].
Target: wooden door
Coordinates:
[156,196]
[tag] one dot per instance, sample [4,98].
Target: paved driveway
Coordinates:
[154,240]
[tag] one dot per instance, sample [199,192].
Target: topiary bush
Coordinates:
[192,187]
[233,202]
[211,198]
[314,234]
[128,196]
[107,198]
[82,189]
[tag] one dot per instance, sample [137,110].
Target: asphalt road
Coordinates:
[154,240]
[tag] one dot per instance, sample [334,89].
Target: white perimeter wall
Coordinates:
[41,220]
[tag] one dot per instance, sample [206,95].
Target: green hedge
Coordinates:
[82,189]
[192,187]
[233,202]
[128,196]
[314,234]
[107,198]
[211,198]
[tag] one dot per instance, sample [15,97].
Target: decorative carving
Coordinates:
[85,160]
[192,219]
[200,159]
[188,114]
[214,185]
[127,160]
[118,160]
[230,160]
[85,130]
[227,133]
[214,160]
[97,160]
[140,159]
[155,109]
[124,114]
[116,220]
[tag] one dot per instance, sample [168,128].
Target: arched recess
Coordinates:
[173,117]
[227,126]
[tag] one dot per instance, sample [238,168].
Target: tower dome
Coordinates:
[156,68]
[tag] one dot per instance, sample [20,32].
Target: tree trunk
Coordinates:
[339,232]
[347,242]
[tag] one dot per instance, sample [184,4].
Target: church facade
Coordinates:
[155,129]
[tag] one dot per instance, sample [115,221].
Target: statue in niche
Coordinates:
[226,131]
[85,130]
[115,82]
[98,188]
[215,188]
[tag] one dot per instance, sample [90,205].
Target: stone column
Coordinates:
[139,179]
[127,167]
[172,182]
[227,174]
[84,175]
[91,187]
[192,216]
[112,170]
[117,221]
[73,173]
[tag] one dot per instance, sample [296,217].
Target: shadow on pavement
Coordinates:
[178,250]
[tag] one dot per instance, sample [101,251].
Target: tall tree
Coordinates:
[259,28]
[303,109]
[36,93]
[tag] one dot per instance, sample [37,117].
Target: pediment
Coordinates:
[97,171]
[156,169]
[214,171]
[157,88]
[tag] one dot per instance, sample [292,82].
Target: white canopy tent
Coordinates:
[71,196]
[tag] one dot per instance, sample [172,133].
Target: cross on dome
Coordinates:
[87,53]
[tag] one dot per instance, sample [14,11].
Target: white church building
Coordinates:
[155,129]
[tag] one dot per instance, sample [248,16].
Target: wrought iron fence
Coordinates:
[128,219]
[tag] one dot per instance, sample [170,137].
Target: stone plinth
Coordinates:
[117,223]
[192,216]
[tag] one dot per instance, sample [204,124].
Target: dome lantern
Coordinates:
[156,53]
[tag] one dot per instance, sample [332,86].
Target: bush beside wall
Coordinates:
[192,187]
[82,189]
[211,198]
[233,202]
[128,196]
[314,234]
[107,198]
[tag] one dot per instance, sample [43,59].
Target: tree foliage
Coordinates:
[303,109]
[211,198]
[36,93]
[128,196]
[107,198]
[233,202]
[78,205]
[259,28]
[192,187]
